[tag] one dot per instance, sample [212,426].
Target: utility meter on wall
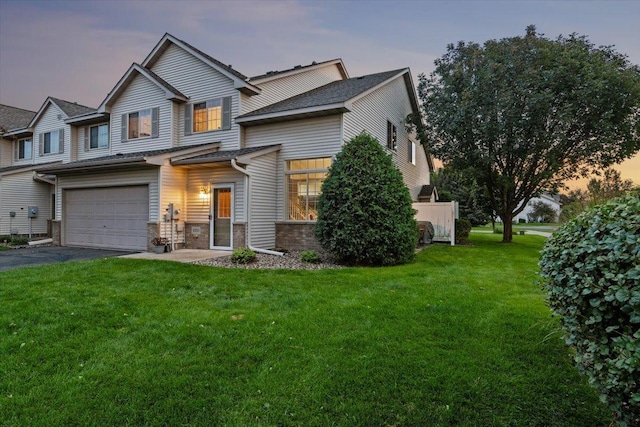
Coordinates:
[33,212]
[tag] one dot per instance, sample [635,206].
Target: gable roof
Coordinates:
[240,80]
[271,75]
[69,109]
[12,118]
[134,70]
[332,98]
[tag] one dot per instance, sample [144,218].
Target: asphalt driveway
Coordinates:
[16,258]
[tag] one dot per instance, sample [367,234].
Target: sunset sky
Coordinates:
[78,50]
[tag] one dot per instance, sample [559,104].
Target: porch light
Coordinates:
[204,192]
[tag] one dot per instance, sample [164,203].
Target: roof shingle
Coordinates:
[12,118]
[332,93]
[72,109]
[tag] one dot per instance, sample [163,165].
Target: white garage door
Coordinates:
[114,217]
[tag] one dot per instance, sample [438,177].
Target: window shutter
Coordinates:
[226,113]
[155,123]
[41,144]
[409,150]
[87,136]
[123,129]
[61,141]
[187,119]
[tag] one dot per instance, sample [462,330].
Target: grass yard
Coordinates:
[461,337]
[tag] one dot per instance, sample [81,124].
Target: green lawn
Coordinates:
[461,337]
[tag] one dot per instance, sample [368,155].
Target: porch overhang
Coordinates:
[127,161]
[242,156]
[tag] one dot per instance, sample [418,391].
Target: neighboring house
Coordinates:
[547,198]
[29,141]
[188,148]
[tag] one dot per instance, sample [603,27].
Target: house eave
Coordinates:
[88,119]
[302,113]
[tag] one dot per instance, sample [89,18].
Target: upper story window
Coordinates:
[392,136]
[23,149]
[206,116]
[140,124]
[52,142]
[304,180]
[411,148]
[99,136]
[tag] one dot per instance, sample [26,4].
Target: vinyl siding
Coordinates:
[288,86]
[199,209]
[199,82]
[263,204]
[82,153]
[370,113]
[18,191]
[48,122]
[300,139]
[136,177]
[141,94]
[173,185]
[6,153]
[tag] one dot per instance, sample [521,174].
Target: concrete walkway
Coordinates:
[180,255]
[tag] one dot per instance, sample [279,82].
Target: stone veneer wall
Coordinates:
[296,236]
[196,235]
[153,231]
[56,232]
[239,235]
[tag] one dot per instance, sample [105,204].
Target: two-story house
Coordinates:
[30,140]
[239,160]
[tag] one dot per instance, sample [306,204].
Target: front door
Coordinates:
[222,217]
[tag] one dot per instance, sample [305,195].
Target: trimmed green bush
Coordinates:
[19,241]
[463,228]
[591,271]
[365,213]
[310,256]
[243,256]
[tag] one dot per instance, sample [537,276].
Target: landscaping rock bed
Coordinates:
[290,261]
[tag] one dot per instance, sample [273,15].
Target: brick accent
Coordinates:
[56,232]
[239,235]
[199,239]
[296,236]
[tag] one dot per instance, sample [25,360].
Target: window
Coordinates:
[224,203]
[24,149]
[51,142]
[207,115]
[99,136]
[411,147]
[304,185]
[139,124]
[392,136]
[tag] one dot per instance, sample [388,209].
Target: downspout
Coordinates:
[247,231]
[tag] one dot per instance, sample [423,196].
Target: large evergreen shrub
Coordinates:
[591,271]
[365,213]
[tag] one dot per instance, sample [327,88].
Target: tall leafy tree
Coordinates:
[527,113]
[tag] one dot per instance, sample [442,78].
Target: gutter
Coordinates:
[41,178]
[247,211]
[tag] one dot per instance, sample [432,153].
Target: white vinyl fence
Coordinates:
[442,216]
